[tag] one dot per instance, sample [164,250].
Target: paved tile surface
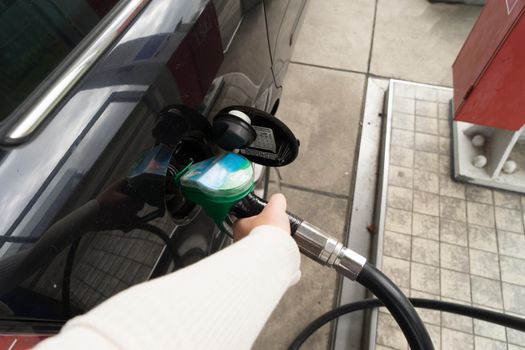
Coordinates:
[328,38]
[418,41]
[341,43]
[446,240]
[315,293]
[317,187]
[323,108]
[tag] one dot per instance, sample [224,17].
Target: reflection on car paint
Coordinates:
[68,177]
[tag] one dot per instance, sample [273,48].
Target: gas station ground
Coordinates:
[341,46]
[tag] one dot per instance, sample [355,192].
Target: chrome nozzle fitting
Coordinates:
[328,251]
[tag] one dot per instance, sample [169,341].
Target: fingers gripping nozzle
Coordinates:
[312,242]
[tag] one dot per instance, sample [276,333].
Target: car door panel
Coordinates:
[173,53]
[283,19]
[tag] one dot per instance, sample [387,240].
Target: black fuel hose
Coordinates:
[399,306]
[464,310]
[371,278]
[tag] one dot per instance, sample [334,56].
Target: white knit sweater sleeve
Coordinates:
[221,302]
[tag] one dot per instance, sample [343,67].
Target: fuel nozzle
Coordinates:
[312,241]
[216,184]
[223,185]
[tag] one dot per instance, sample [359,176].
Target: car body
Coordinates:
[84,83]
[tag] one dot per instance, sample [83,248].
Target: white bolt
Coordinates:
[479,161]
[478,140]
[509,167]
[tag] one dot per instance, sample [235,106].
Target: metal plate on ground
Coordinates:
[351,330]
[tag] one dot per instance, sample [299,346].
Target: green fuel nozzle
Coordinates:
[223,185]
[217,184]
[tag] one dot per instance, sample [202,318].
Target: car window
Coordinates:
[35,36]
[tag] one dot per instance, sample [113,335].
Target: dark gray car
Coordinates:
[83,87]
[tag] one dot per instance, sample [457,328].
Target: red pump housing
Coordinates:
[489,72]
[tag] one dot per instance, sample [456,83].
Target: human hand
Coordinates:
[273,214]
